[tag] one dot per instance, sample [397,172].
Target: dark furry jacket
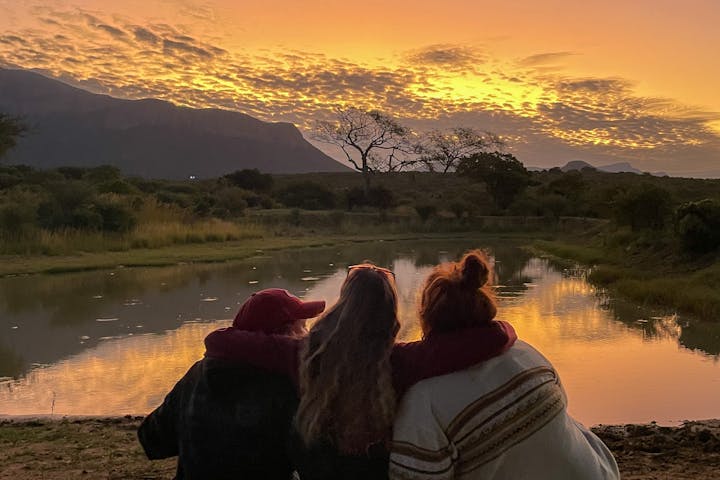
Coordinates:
[224,421]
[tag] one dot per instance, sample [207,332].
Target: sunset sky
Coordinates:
[560,80]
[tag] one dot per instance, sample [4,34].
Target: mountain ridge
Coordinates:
[619,167]
[147,137]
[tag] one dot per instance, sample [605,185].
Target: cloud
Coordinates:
[540,59]
[146,36]
[178,48]
[113,31]
[548,118]
[447,55]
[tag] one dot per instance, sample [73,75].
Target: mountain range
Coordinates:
[151,138]
[620,167]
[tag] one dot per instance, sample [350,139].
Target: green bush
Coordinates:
[644,207]
[72,173]
[121,187]
[17,219]
[116,217]
[102,174]
[230,202]
[425,211]
[698,226]
[307,195]
[378,197]
[170,198]
[460,209]
[251,179]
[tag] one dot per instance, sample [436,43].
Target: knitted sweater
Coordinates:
[503,419]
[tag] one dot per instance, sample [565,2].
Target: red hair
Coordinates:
[456,295]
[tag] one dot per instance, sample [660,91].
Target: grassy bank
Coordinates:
[210,252]
[168,241]
[647,273]
[108,448]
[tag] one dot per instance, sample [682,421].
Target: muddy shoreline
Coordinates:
[107,448]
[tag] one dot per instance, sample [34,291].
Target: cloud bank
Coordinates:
[546,117]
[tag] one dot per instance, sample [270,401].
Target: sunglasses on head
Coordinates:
[365,266]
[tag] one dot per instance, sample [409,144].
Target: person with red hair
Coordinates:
[504,418]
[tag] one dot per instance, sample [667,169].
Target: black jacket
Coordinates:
[224,421]
[324,462]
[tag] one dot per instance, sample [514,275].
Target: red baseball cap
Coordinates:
[273,309]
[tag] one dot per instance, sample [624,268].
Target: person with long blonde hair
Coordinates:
[350,372]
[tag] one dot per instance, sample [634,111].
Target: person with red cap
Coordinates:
[227,419]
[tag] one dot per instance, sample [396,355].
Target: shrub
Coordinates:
[230,202]
[120,187]
[646,207]
[378,197]
[251,179]
[382,198]
[102,174]
[425,211]
[85,217]
[8,180]
[698,226]
[354,197]
[16,219]
[460,209]
[307,195]
[72,173]
[116,217]
[170,198]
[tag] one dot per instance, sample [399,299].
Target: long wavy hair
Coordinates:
[457,295]
[346,391]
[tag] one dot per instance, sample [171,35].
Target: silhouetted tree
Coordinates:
[504,175]
[11,128]
[442,150]
[371,140]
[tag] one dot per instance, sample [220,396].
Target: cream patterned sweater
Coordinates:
[505,419]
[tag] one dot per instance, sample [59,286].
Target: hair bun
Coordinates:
[475,271]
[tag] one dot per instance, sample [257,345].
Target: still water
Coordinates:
[114,342]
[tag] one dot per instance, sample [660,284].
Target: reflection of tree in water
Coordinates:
[659,324]
[11,364]
[70,296]
[704,336]
[57,314]
[510,262]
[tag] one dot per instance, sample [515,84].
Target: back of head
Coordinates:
[347,396]
[276,311]
[456,295]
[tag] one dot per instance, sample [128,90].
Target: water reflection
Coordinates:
[115,342]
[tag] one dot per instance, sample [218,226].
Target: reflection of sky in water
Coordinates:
[614,371]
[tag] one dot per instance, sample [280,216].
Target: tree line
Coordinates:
[461,173]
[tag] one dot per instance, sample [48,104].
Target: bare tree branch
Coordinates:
[442,150]
[370,140]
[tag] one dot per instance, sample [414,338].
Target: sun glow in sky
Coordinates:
[600,81]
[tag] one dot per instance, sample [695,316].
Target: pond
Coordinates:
[115,342]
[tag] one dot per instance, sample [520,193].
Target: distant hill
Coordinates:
[621,167]
[576,165]
[150,138]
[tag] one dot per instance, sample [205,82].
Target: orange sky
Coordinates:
[600,81]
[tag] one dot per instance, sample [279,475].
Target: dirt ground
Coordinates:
[691,451]
[107,448]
